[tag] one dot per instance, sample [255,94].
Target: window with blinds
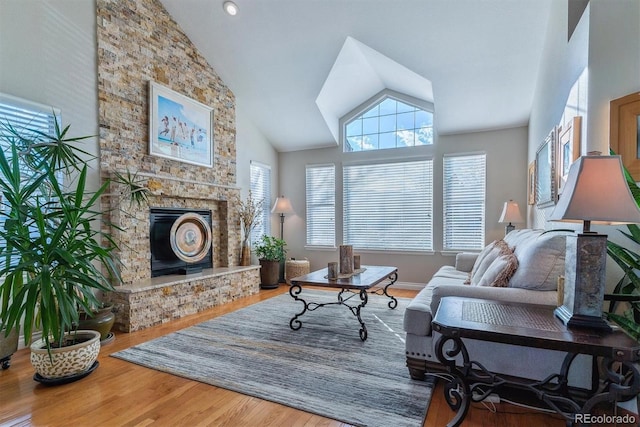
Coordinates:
[389,206]
[27,117]
[321,205]
[463,202]
[261,190]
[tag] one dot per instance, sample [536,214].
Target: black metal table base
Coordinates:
[383,291]
[344,296]
[296,324]
[473,382]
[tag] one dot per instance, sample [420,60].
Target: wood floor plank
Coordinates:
[119,393]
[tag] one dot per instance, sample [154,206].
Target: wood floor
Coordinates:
[119,393]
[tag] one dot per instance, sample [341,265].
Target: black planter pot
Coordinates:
[269,274]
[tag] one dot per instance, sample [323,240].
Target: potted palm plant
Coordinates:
[627,290]
[271,252]
[54,257]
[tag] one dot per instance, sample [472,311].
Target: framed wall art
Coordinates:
[624,131]
[531,184]
[568,148]
[180,128]
[546,172]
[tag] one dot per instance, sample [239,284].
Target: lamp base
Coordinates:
[584,282]
[581,321]
[509,228]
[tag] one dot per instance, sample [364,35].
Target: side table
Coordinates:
[531,326]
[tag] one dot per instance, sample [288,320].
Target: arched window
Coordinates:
[390,123]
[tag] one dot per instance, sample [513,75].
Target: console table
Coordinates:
[531,326]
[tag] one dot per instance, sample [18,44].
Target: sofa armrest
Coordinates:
[492,293]
[465,261]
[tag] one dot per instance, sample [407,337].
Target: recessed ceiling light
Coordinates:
[230,7]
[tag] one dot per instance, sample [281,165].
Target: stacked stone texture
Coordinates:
[139,42]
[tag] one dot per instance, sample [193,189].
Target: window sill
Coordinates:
[319,248]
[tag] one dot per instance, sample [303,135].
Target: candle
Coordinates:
[346,259]
[332,267]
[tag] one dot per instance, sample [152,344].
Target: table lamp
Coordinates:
[510,213]
[596,192]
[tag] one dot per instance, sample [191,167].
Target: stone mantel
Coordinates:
[177,279]
[160,300]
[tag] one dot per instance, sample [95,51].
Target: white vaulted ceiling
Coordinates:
[481,57]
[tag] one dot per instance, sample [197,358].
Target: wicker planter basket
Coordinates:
[295,268]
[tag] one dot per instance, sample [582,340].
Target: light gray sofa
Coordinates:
[523,267]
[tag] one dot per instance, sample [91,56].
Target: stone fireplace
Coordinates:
[130,56]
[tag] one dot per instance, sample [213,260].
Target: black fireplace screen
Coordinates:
[164,259]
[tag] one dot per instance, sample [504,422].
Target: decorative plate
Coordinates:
[190,237]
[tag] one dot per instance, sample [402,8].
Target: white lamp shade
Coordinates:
[511,213]
[597,191]
[282,206]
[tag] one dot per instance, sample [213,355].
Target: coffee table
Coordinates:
[362,283]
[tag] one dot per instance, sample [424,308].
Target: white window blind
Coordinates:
[389,206]
[261,190]
[464,202]
[321,205]
[27,116]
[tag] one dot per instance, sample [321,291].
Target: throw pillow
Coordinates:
[500,270]
[483,253]
[541,261]
[497,248]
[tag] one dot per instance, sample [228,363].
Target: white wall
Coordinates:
[251,145]
[607,43]
[506,160]
[614,62]
[48,55]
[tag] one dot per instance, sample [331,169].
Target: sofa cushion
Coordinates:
[450,272]
[500,270]
[541,260]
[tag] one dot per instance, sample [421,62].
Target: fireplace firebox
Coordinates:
[180,240]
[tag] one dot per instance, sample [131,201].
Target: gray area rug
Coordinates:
[322,368]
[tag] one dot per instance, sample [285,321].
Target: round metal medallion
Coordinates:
[190,237]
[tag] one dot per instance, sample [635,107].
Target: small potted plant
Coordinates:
[271,252]
[54,257]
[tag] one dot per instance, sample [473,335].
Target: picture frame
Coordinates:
[546,189]
[180,128]
[624,131]
[531,184]
[568,148]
